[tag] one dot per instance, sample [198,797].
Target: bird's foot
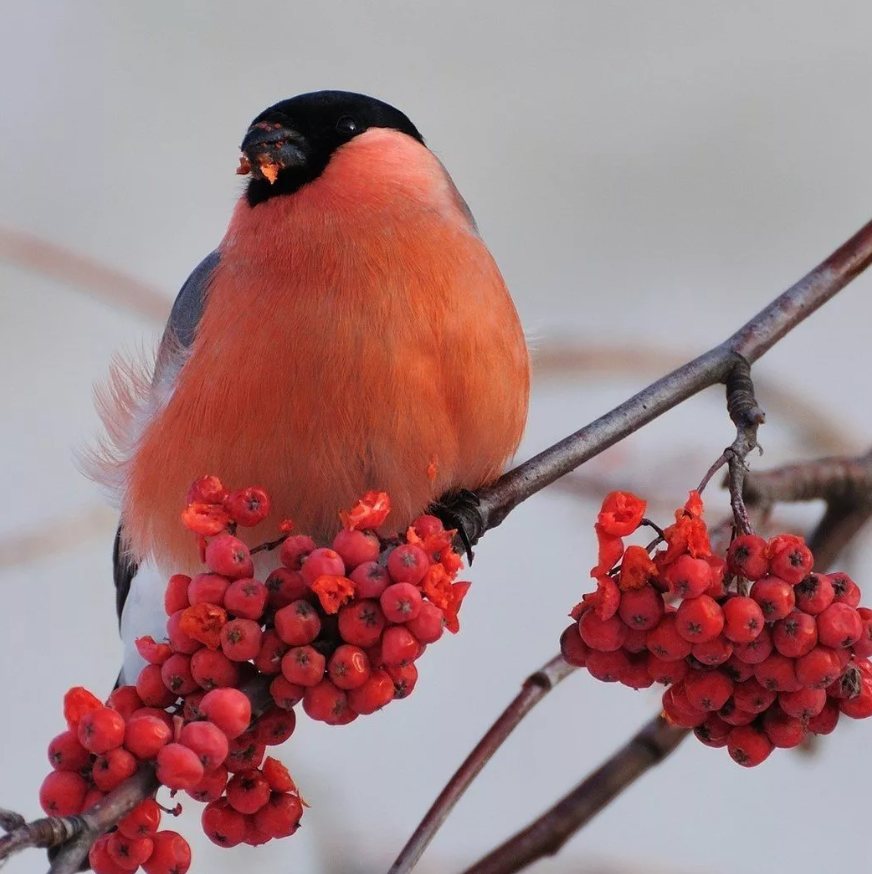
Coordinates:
[460,510]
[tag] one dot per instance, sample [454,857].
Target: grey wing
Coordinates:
[177,338]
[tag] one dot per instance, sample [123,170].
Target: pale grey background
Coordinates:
[647,171]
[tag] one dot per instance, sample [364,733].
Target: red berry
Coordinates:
[789,558]
[399,646]
[280,816]
[113,768]
[179,640]
[777,673]
[145,735]
[429,624]
[605,635]
[248,507]
[275,726]
[229,709]
[277,776]
[211,669]
[678,709]
[845,589]
[707,690]
[176,594]
[795,635]
[408,564]
[748,746]
[328,703]
[295,549]
[206,490]
[246,598]
[284,586]
[77,702]
[699,620]
[737,670]
[126,852]
[176,674]
[303,666]
[142,822]
[153,652]
[666,672]
[804,703]
[298,623]
[228,555]
[665,641]
[746,557]
[635,642]
[716,588]
[733,715]
[401,602]
[641,608]
[757,650]
[356,547]
[240,639]
[825,722]
[751,697]
[102,729]
[178,767]
[405,679]
[775,597]
[322,562]
[151,688]
[100,860]
[211,787]
[349,667]
[818,668]
[839,626]
[63,793]
[370,579]
[223,825]
[573,649]
[859,707]
[814,594]
[286,695]
[374,694]
[208,588]
[713,732]
[207,741]
[125,700]
[171,854]
[688,577]
[782,730]
[713,652]
[743,619]
[246,751]
[608,667]
[65,753]
[248,791]
[272,649]
[361,623]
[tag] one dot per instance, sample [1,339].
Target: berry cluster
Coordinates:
[755,649]
[337,628]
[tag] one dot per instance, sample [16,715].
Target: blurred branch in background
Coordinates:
[77,271]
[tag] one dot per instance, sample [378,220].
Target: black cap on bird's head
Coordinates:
[291,143]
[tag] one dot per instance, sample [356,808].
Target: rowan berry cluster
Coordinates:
[337,628]
[755,649]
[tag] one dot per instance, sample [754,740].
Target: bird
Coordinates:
[350,332]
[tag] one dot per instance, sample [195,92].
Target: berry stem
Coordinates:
[750,342]
[547,834]
[534,689]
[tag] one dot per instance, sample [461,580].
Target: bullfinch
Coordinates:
[350,332]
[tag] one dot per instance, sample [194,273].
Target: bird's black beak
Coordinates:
[268,148]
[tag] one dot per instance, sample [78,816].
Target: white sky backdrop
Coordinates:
[642,171]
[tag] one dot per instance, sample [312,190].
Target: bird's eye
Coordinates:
[346,126]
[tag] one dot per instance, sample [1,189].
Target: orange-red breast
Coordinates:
[350,332]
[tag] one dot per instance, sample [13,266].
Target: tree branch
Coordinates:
[547,834]
[750,342]
[534,689]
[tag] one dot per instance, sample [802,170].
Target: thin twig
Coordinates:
[535,688]
[10,820]
[547,834]
[750,342]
